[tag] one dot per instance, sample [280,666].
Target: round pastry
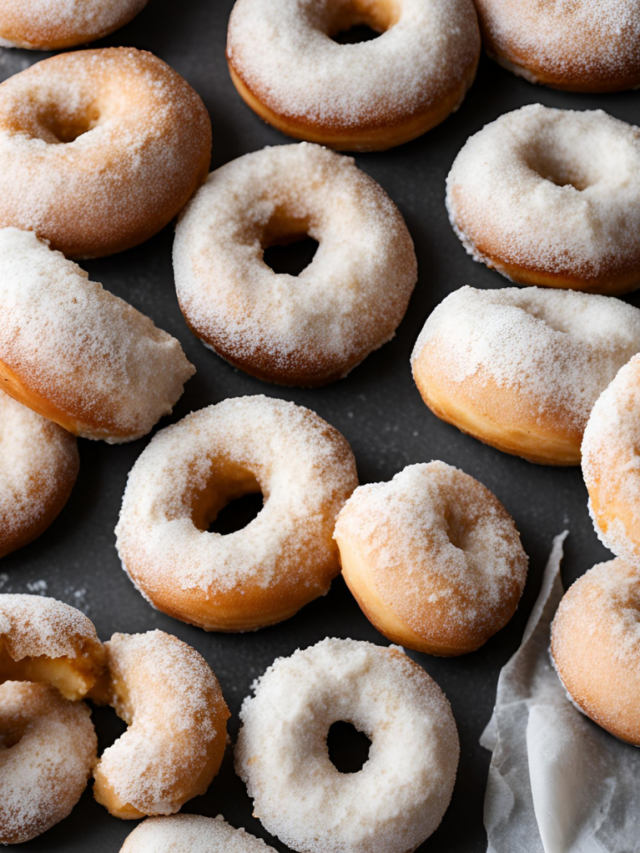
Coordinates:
[595,647]
[39,464]
[77,354]
[611,463]
[47,25]
[177,717]
[552,197]
[281,560]
[190,833]
[295,330]
[359,97]
[582,45]
[47,749]
[521,369]
[400,795]
[433,559]
[99,149]
[44,640]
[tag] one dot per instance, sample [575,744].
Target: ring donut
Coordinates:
[190,833]
[177,717]
[611,463]
[358,97]
[594,647]
[316,327]
[400,795]
[281,560]
[433,559]
[44,640]
[552,197]
[580,46]
[65,23]
[75,353]
[47,749]
[99,149]
[39,463]
[521,369]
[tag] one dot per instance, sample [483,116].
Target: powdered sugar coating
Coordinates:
[305,470]
[47,748]
[188,833]
[283,51]
[583,44]
[441,551]
[305,329]
[557,349]
[398,798]
[51,24]
[38,466]
[106,369]
[177,715]
[555,193]
[99,149]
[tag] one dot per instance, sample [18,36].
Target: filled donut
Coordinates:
[44,640]
[99,149]
[47,749]
[177,717]
[552,197]
[190,833]
[582,45]
[611,463]
[521,369]
[39,464]
[433,559]
[39,25]
[281,560]
[595,648]
[316,327]
[288,68]
[400,795]
[77,354]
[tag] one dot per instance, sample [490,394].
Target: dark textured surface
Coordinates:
[377,408]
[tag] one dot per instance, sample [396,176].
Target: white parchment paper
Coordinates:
[557,783]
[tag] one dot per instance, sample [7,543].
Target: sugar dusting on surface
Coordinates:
[172,702]
[559,349]
[556,190]
[33,625]
[347,302]
[441,549]
[84,349]
[283,53]
[398,798]
[187,833]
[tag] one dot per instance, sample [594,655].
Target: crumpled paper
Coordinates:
[558,783]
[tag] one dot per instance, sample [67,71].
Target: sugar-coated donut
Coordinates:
[99,149]
[190,833]
[579,45]
[611,463]
[433,559]
[77,354]
[39,464]
[55,24]
[552,197]
[359,97]
[313,328]
[595,647]
[47,749]
[521,369]
[281,560]
[45,640]
[177,717]
[400,795]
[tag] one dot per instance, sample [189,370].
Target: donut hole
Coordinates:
[59,126]
[348,747]
[362,20]
[564,171]
[230,501]
[287,247]
[457,527]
